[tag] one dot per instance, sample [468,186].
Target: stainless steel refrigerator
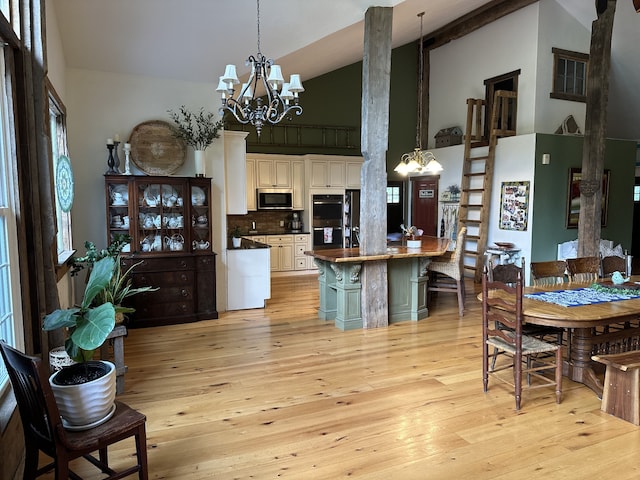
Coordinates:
[351,218]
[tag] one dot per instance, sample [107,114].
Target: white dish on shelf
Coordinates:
[120,195]
[156,195]
[197,196]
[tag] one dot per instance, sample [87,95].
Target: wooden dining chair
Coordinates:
[548,273]
[44,431]
[611,264]
[446,273]
[502,323]
[583,269]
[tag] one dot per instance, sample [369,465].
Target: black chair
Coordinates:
[44,432]
[502,329]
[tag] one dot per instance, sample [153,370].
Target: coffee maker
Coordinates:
[296,223]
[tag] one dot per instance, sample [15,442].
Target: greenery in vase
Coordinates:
[197,130]
[236,233]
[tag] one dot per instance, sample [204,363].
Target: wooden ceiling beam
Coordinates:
[478,18]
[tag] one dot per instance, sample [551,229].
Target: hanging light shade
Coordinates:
[281,99]
[419,161]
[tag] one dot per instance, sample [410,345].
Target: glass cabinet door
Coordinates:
[200,216]
[118,210]
[161,216]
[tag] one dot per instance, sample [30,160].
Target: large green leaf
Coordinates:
[60,319]
[92,329]
[98,279]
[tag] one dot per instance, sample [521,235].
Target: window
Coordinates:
[636,193]
[393,195]
[58,130]
[569,75]
[10,309]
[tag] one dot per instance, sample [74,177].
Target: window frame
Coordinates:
[58,146]
[577,57]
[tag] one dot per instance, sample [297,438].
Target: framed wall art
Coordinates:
[514,206]
[573,197]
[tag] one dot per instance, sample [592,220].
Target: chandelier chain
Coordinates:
[258,17]
[420,76]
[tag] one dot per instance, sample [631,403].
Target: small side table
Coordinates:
[621,393]
[116,341]
[501,255]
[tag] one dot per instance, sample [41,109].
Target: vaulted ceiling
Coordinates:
[193,40]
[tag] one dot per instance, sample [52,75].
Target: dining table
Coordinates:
[595,327]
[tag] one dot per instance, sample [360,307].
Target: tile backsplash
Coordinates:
[267,221]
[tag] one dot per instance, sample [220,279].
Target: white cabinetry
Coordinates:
[352,170]
[327,174]
[252,205]
[297,177]
[235,147]
[273,173]
[281,252]
[301,244]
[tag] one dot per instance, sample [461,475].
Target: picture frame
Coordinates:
[514,206]
[573,197]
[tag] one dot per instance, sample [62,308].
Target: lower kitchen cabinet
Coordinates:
[302,244]
[281,252]
[186,288]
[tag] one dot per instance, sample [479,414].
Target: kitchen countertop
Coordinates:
[247,244]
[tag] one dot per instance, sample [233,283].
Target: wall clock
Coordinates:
[64,183]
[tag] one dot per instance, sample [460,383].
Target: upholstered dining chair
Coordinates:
[583,269]
[548,273]
[502,323]
[446,273]
[44,431]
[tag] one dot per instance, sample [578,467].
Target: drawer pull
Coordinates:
[184,292]
[183,277]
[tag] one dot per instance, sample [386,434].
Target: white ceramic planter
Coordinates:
[89,404]
[236,242]
[414,243]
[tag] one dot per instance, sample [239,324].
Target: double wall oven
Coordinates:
[327,215]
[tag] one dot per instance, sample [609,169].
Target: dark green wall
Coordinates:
[336,99]
[551,193]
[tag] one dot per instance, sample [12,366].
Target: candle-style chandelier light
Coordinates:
[279,100]
[419,161]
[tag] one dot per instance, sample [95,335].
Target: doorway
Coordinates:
[424,204]
[395,207]
[507,82]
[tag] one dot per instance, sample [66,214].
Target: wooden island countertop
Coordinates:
[431,247]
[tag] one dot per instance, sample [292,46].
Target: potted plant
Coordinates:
[197,130]
[413,235]
[94,381]
[85,391]
[236,237]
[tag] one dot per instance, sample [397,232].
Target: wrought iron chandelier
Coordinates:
[419,161]
[280,99]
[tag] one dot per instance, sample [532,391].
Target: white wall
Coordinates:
[557,29]
[101,105]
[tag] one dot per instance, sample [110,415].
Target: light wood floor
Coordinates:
[277,393]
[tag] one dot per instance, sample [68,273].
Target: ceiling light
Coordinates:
[280,99]
[419,161]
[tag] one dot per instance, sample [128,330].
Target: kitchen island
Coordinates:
[341,289]
[248,275]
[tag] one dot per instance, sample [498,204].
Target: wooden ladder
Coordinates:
[477,173]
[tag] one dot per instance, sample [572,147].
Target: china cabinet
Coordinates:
[169,221]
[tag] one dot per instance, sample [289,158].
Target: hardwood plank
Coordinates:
[279,393]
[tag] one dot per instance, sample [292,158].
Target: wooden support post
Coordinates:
[376,70]
[595,131]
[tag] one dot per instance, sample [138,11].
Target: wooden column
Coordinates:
[595,134]
[376,69]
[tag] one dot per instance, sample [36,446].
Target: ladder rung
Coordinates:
[470,222]
[469,205]
[484,157]
[473,237]
[475,174]
[473,190]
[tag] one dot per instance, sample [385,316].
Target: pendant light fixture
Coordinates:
[419,161]
[279,100]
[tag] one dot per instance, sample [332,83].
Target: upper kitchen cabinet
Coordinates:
[235,167]
[273,173]
[327,171]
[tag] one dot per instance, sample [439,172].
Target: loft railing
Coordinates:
[302,136]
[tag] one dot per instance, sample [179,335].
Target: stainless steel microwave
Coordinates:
[275,199]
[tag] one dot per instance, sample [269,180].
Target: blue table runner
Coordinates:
[578,297]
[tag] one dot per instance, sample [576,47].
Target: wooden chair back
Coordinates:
[44,430]
[611,264]
[507,273]
[583,269]
[548,273]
